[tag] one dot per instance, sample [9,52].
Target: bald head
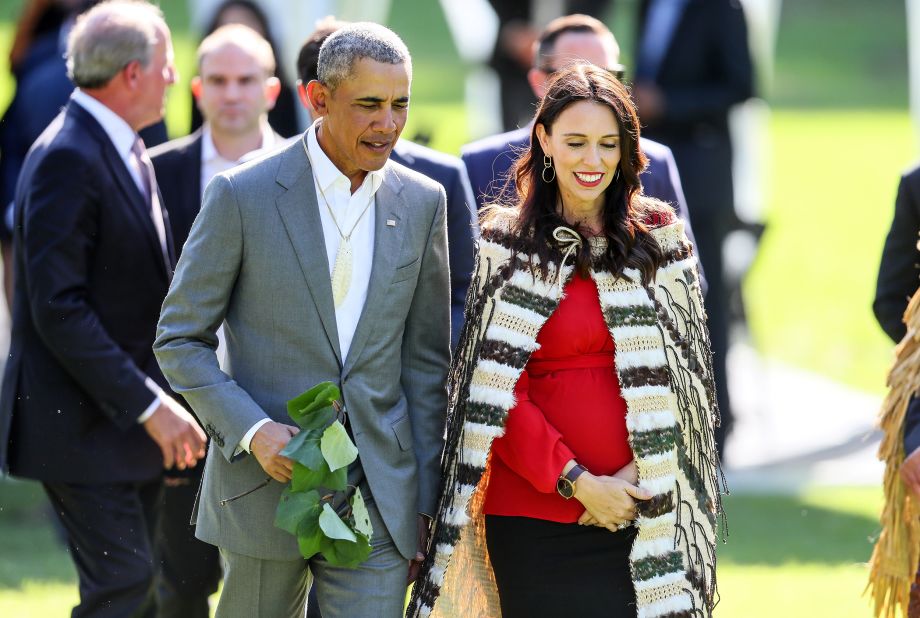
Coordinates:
[569,40]
[242,38]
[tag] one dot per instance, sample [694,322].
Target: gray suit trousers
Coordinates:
[255,588]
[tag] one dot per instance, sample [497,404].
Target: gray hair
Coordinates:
[351,43]
[108,37]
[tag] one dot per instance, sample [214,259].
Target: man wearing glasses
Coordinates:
[564,41]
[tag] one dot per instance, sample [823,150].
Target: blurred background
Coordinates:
[818,158]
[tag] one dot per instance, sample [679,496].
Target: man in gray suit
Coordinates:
[324,261]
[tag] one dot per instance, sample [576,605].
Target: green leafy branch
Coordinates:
[322,452]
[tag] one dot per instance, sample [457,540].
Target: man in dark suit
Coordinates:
[897,273]
[234,89]
[693,66]
[84,407]
[573,38]
[462,225]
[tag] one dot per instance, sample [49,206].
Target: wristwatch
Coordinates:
[565,486]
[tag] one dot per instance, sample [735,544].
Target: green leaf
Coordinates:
[293,507]
[362,517]
[310,537]
[333,526]
[304,478]
[318,419]
[348,554]
[338,449]
[305,448]
[308,409]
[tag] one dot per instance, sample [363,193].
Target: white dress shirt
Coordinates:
[347,208]
[122,137]
[212,163]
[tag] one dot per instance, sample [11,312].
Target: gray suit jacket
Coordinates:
[256,261]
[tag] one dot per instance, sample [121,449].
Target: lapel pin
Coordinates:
[391,222]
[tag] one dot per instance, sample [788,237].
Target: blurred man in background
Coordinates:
[83,407]
[693,65]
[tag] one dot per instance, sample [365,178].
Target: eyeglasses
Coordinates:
[618,71]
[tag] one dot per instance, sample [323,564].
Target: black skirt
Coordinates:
[544,568]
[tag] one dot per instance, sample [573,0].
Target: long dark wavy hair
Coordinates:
[626,209]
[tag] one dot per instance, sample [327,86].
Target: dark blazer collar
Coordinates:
[131,194]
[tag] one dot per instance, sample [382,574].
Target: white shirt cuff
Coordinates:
[156,390]
[247,437]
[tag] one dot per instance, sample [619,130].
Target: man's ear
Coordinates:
[272,90]
[131,73]
[537,80]
[318,96]
[196,87]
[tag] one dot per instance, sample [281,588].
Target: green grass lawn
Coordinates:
[839,136]
[832,181]
[785,556]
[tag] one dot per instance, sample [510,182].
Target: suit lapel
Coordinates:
[300,214]
[131,194]
[387,246]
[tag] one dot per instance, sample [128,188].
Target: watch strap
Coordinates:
[576,471]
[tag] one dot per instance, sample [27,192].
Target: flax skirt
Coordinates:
[548,569]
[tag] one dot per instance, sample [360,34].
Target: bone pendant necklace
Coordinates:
[342,268]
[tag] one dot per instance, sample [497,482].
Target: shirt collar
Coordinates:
[209,150]
[119,131]
[327,174]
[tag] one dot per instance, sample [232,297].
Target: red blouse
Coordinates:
[569,406]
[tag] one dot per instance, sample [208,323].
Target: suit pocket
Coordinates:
[403,430]
[407,271]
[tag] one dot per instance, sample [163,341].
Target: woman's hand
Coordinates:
[628,473]
[609,501]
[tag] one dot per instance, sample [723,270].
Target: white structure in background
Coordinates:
[749,125]
[913,60]
[474,28]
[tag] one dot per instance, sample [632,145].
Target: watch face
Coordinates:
[565,487]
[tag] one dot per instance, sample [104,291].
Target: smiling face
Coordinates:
[584,143]
[363,117]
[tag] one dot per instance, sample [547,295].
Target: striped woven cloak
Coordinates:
[893,565]
[664,366]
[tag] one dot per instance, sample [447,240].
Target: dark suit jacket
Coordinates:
[462,223]
[898,273]
[704,72]
[90,279]
[178,168]
[489,160]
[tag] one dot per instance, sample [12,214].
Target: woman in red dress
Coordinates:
[580,466]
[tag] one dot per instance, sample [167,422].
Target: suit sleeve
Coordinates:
[531,447]
[462,230]
[59,236]
[186,343]
[898,274]
[426,356]
[477,184]
[733,75]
